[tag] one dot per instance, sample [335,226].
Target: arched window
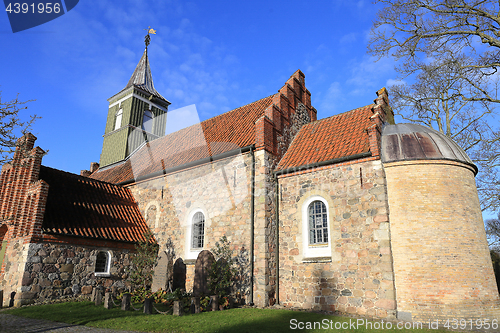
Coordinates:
[147,121]
[198,233]
[102,263]
[196,223]
[318,223]
[118,119]
[316,238]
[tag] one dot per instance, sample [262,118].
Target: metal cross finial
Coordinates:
[147,39]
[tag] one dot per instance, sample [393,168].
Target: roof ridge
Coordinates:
[224,113]
[201,122]
[335,115]
[79,176]
[343,113]
[310,131]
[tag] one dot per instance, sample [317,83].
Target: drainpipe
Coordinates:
[276,249]
[252,220]
[277,198]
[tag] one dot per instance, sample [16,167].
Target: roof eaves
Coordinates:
[188,165]
[322,163]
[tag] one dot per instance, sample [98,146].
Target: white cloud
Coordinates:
[330,100]
[368,75]
[360,4]
[392,82]
[349,38]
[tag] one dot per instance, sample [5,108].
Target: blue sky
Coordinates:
[218,55]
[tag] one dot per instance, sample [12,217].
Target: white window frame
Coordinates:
[192,253]
[106,273]
[118,119]
[147,121]
[321,250]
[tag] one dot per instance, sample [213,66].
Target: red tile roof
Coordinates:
[223,133]
[338,136]
[80,206]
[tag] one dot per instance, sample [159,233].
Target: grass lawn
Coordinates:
[234,320]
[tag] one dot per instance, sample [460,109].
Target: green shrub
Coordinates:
[223,270]
[143,261]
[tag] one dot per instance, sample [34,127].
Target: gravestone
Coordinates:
[195,305]
[201,273]
[163,272]
[178,309]
[126,302]
[179,275]
[215,302]
[148,306]
[94,292]
[98,297]
[108,301]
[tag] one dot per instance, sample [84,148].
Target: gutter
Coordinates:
[190,164]
[252,222]
[277,200]
[277,238]
[54,233]
[323,163]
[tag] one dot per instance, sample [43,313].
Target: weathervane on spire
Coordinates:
[147,39]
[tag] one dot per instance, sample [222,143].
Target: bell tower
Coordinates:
[136,114]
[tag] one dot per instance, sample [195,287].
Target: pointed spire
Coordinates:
[142,77]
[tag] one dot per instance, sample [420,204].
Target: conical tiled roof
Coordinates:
[143,79]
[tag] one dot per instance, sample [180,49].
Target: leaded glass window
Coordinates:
[101,263]
[198,230]
[318,223]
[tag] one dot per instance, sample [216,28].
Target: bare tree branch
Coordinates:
[442,97]
[416,30]
[11,126]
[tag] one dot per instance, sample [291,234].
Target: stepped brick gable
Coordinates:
[53,222]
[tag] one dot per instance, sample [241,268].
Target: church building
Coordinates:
[352,213]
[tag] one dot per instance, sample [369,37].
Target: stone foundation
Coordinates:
[56,270]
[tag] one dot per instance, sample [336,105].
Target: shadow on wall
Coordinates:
[495,259]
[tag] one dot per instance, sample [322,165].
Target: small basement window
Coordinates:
[103,263]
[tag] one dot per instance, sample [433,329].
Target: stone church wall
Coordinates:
[13,262]
[49,271]
[356,274]
[221,190]
[265,229]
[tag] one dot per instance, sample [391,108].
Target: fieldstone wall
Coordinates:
[57,270]
[264,229]
[221,190]
[356,276]
[442,262]
[13,266]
